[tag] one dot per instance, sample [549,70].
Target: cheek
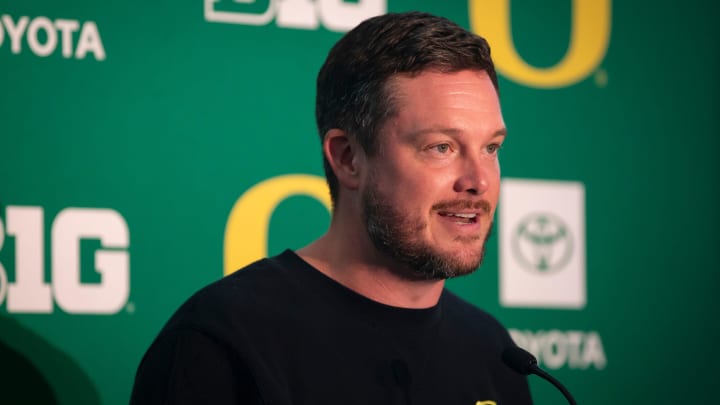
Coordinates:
[416,195]
[494,175]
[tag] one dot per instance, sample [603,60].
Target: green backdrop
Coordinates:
[128,131]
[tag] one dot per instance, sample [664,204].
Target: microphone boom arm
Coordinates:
[547,377]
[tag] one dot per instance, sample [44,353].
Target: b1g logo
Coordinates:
[30,293]
[336,15]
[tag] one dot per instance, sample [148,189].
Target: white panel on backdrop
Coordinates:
[542,244]
[336,15]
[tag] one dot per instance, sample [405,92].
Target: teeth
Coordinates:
[464,215]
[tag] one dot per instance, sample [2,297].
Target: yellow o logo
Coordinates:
[589,39]
[246,231]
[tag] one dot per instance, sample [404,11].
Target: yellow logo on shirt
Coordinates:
[485,403]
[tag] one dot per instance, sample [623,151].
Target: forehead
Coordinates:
[475,83]
[466,100]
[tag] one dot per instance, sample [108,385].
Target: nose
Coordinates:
[473,177]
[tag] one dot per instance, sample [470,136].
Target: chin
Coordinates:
[440,265]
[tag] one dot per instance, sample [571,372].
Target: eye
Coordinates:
[493,148]
[441,148]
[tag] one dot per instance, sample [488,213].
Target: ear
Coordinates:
[345,157]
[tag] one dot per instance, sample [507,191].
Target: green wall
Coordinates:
[133,136]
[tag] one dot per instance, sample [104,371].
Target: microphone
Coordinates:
[525,363]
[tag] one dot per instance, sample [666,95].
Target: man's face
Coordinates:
[431,191]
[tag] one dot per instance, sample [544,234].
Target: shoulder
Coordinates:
[228,318]
[250,295]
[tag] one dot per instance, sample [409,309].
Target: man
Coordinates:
[410,122]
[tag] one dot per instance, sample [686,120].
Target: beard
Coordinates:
[397,236]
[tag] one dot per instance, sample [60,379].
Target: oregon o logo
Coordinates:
[246,230]
[589,39]
[542,243]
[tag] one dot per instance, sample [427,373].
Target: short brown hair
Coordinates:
[352,91]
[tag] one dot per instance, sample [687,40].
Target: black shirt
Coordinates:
[280,332]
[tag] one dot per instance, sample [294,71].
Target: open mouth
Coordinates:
[460,217]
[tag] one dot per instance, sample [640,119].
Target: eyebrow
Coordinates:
[452,131]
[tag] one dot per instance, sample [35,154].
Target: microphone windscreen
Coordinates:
[519,360]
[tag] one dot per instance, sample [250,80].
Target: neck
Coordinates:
[351,259]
